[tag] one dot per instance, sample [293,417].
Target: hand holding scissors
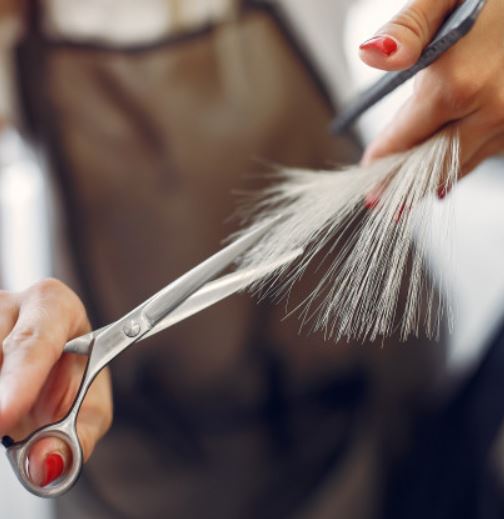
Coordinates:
[182,298]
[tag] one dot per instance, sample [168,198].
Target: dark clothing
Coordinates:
[231,414]
[450,469]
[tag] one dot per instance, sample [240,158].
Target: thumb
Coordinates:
[399,43]
[51,457]
[48,460]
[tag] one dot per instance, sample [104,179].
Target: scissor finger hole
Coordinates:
[28,459]
[48,460]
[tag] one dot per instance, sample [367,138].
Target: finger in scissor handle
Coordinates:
[65,468]
[37,383]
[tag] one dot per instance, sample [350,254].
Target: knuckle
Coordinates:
[414,20]
[29,338]
[64,298]
[462,96]
[48,287]
[449,95]
[422,24]
[20,338]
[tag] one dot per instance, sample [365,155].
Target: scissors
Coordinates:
[182,298]
[458,24]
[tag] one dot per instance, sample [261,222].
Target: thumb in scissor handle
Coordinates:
[66,430]
[18,456]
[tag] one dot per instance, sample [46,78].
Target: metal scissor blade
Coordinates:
[208,295]
[174,294]
[217,290]
[167,299]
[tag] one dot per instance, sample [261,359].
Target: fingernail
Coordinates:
[371,201]
[53,468]
[443,192]
[383,44]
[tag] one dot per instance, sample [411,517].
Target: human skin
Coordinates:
[38,383]
[464,89]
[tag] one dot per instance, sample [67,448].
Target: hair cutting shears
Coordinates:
[458,24]
[182,298]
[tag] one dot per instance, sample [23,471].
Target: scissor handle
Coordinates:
[66,430]
[18,453]
[105,344]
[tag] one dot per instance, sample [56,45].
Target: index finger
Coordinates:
[49,314]
[433,106]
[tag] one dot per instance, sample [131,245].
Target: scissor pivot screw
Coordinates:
[132,329]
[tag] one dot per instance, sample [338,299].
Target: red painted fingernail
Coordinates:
[53,468]
[443,191]
[371,201]
[382,44]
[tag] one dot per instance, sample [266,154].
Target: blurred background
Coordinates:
[64,146]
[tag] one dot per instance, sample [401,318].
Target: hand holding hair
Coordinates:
[464,89]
